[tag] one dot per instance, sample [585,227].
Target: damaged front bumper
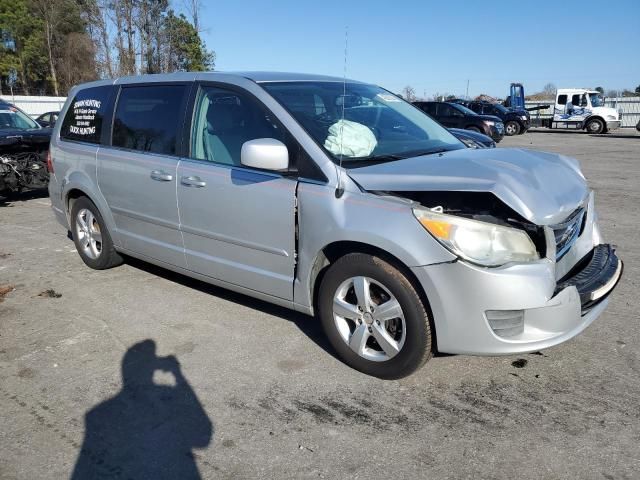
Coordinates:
[519,308]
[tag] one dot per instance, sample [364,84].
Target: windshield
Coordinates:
[11,118]
[463,109]
[358,124]
[596,100]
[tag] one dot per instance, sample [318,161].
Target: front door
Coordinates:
[137,174]
[238,223]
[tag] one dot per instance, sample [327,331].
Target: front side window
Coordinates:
[148,118]
[445,110]
[361,123]
[224,119]
[84,118]
[596,100]
[429,108]
[461,110]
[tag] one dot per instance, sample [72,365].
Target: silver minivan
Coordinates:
[338,199]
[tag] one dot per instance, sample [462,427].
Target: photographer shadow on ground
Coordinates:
[146,431]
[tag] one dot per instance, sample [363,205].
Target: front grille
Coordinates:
[567,232]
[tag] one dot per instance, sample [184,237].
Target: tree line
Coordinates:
[47,46]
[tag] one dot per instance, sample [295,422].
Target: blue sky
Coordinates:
[434,46]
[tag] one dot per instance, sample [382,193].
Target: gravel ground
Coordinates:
[255,392]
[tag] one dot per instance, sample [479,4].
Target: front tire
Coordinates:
[91,236]
[595,126]
[511,128]
[374,318]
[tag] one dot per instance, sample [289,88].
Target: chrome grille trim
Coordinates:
[567,232]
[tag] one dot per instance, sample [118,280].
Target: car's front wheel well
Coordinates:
[597,118]
[334,251]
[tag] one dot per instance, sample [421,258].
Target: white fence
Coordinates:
[35,106]
[628,106]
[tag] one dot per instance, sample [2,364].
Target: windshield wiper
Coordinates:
[421,153]
[373,159]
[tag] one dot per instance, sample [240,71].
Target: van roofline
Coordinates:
[255,76]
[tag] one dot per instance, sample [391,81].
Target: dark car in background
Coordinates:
[516,121]
[473,139]
[23,151]
[453,115]
[48,119]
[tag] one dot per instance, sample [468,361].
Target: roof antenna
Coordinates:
[340,187]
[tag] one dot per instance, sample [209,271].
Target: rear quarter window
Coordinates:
[83,121]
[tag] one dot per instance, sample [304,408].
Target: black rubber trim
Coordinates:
[596,273]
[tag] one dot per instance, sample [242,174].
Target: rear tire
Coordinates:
[91,236]
[374,318]
[511,128]
[595,126]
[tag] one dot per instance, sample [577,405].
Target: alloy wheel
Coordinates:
[88,233]
[369,318]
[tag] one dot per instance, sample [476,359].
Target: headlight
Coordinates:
[523,117]
[469,143]
[491,123]
[611,117]
[478,242]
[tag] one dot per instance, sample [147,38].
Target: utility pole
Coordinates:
[467,89]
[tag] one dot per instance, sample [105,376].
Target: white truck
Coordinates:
[582,109]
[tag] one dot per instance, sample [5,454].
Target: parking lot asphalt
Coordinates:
[255,391]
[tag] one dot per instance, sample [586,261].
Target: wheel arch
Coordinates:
[595,117]
[338,249]
[78,187]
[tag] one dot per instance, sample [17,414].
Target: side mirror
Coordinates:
[265,153]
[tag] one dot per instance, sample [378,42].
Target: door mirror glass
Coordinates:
[265,153]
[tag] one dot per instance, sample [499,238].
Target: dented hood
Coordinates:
[542,187]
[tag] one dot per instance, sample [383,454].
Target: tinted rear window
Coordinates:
[83,121]
[148,118]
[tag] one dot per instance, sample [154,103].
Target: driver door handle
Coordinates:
[193,182]
[161,176]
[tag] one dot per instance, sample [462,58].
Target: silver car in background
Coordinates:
[338,199]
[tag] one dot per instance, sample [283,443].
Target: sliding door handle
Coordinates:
[161,176]
[192,182]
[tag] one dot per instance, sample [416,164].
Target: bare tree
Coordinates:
[193,8]
[549,90]
[98,21]
[409,93]
[77,62]
[51,13]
